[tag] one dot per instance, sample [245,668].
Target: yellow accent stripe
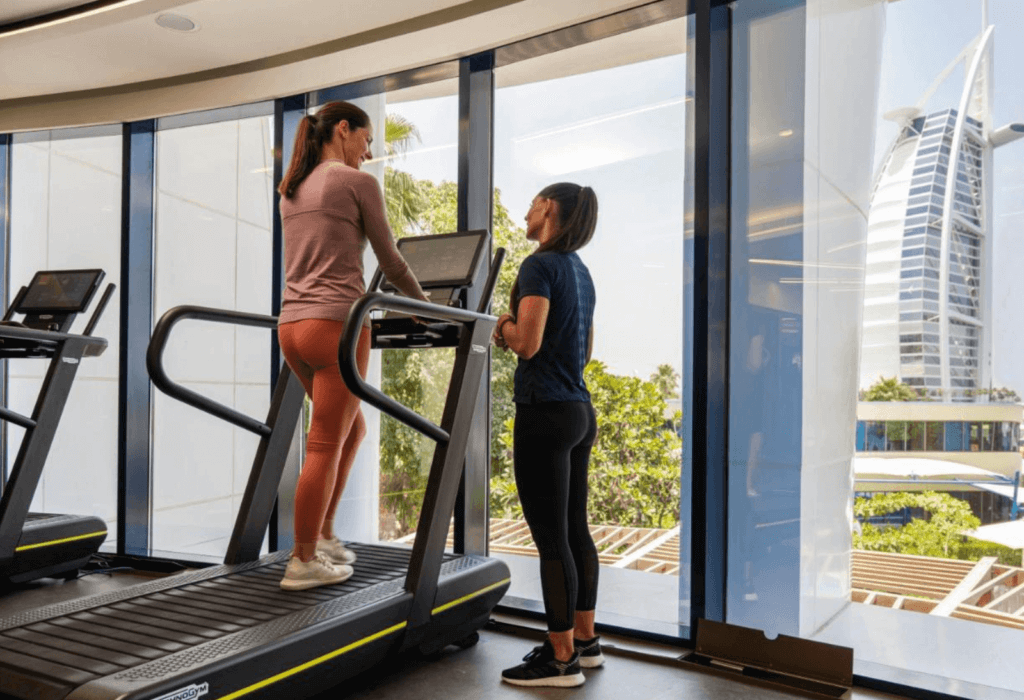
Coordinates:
[354,645]
[66,539]
[314,662]
[463,599]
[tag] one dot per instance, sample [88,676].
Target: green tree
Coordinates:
[403,200]
[405,454]
[890,390]
[939,535]
[666,379]
[634,466]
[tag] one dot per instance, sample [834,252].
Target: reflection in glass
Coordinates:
[935,436]
[875,436]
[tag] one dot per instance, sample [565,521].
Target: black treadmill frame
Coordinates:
[40,428]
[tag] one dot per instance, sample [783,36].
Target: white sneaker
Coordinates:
[336,552]
[300,575]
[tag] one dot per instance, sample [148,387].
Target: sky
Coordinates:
[620,131]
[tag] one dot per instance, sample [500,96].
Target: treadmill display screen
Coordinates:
[60,291]
[448,260]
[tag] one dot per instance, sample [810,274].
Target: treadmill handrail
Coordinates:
[157,373]
[350,340]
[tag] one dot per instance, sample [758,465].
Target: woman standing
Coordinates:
[329,210]
[551,330]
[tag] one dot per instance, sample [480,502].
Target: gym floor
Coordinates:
[635,669]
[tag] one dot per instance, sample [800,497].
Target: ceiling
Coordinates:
[113,63]
[12,12]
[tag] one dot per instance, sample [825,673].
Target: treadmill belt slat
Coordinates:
[46,669]
[120,632]
[139,613]
[271,605]
[99,641]
[82,663]
[102,617]
[71,646]
[182,613]
[197,605]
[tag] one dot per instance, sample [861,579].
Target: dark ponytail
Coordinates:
[577,219]
[315,130]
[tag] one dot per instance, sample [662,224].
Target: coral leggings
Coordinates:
[310,348]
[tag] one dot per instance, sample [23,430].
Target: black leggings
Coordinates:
[551,451]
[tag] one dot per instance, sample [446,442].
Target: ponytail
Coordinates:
[314,130]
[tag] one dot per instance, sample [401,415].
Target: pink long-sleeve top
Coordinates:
[327,223]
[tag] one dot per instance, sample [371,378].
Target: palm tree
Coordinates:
[402,196]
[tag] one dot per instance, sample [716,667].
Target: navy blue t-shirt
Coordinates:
[555,373]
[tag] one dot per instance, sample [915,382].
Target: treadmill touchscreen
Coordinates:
[437,260]
[63,290]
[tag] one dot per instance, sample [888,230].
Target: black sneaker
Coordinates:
[590,652]
[543,669]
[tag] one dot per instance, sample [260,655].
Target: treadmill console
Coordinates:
[54,298]
[445,266]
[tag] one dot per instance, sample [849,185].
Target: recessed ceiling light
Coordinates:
[177,23]
[786,132]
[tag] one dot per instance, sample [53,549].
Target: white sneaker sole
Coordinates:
[288,584]
[592,661]
[572,681]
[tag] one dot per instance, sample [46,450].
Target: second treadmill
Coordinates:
[36,545]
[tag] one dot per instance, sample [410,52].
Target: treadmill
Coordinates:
[229,631]
[35,545]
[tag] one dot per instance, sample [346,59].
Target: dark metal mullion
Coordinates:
[6,148]
[475,208]
[710,387]
[288,112]
[134,395]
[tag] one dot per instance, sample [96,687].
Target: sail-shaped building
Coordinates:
[928,297]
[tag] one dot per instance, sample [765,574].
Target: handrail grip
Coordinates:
[350,340]
[155,364]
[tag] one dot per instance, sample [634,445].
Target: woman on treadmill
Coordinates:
[329,210]
[550,328]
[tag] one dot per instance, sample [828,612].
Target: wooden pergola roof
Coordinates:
[982,591]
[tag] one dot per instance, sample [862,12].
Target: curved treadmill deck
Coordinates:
[231,632]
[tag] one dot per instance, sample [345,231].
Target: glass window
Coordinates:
[875,436]
[974,440]
[987,437]
[915,436]
[895,436]
[213,247]
[860,436]
[955,437]
[935,436]
[66,214]
[417,164]
[611,115]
